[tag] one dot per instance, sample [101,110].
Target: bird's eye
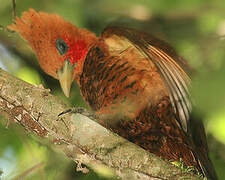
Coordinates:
[61,46]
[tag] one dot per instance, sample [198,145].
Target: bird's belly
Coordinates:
[155,130]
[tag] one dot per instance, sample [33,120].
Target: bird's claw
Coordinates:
[79,110]
[64,112]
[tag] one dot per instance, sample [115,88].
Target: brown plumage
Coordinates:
[136,84]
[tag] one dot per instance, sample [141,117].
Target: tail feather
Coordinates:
[201,149]
[207,168]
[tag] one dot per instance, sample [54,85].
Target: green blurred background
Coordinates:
[195,28]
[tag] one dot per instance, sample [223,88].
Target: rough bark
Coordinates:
[79,137]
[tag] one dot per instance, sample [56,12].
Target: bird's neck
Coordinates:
[89,39]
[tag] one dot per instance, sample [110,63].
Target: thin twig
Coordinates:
[3,28]
[14,8]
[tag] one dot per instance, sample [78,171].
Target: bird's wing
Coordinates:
[169,65]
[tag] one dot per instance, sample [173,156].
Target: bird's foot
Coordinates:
[80,110]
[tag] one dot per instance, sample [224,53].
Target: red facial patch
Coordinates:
[77,51]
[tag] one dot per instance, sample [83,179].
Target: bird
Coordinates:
[136,84]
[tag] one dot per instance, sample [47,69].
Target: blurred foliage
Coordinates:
[196,28]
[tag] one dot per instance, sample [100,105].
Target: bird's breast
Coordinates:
[119,85]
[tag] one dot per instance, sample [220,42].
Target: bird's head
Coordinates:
[59,46]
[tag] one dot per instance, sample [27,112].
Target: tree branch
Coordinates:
[81,139]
